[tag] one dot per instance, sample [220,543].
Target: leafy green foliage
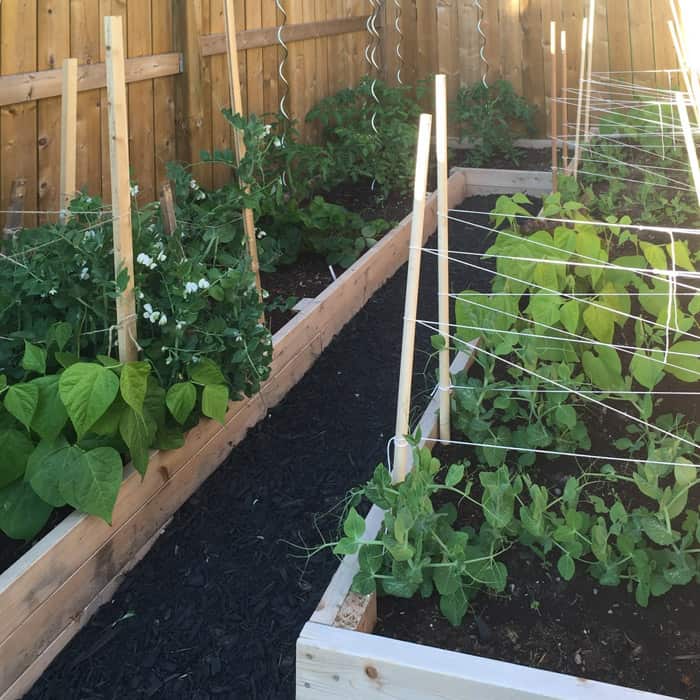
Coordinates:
[491,117]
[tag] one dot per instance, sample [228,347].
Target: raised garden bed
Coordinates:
[51,591]
[337,656]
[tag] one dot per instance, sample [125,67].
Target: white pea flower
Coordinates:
[193,184]
[169,361]
[265,294]
[277,142]
[268,129]
[85,274]
[162,257]
[191,288]
[196,359]
[200,195]
[155,316]
[163,320]
[180,325]
[135,190]
[148,312]
[88,200]
[152,228]
[145,260]
[204,284]
[141,296]
[261,235]
[89,236]
[53,291]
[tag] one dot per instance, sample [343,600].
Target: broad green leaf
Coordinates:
[438,342]
[566,567]
[92,482]
[647,369]
[657,532]
[570,315]
[685,474]
[47,467]
[371,557]
[544,308]
[448,579]
[364,582]
[455,475]
[133,383]
[682,255]
[181,400]
[34,359]
[566,415]
[87,391]
[21,402]
[22,513]
[655,255]
[454,607]
[135,431]
[206,372]
[215,402]
[16,448]
[354,525]
[604,368]
[61,334]
[50,416]
[345,547]
[686,366]
[600,322]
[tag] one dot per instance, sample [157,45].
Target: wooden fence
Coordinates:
[179,79]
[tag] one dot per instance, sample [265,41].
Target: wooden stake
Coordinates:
[401,447]
[553,105]
[579,110]
[121,186]
[565,99]
[443,252]
[689,142]
[167,209]
[13,220]
[239,144]
[589,71]
[69,135]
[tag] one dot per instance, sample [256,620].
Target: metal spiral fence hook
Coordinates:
[371,57]
[399,41]
[482,38]
[282,76]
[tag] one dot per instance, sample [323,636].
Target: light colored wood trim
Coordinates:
[40,593]
[335,663]
[121,186]
[213,44]
[485,182]
[69,135]
[39,85]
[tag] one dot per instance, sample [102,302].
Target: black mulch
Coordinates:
[215,608]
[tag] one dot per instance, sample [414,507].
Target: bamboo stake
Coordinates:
[589,71]
[565,99]
[401,447]
[239,144]
[689,142]
[443,250]
[121,186]
[579,109]
[167,209]
[553,105]
[69,135]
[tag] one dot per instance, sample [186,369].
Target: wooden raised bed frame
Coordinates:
[54,589]
[338,657]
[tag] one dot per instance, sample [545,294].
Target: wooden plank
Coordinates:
[167,209]
[470,64]
[53,46]
[18,123]
[254,61]
[643,43]
[620,41]
[69,135]
[482,182]
[338,663]
[213,44]
[163,91]
[85,47]
[533,80]
[272,55]
[121,187]
[140,102]
[14,221]
[221,131]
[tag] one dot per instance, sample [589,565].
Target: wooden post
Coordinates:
[565,99]
[167,209]
[682,62]
[69,135]
[240,148]
[689,142]
[443,252]
[589,71]
[553,105]
[579,109]
[121,186]
[13,220]
[401,447]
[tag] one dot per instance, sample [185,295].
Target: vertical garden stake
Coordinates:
[69,135]
[234,77]
[403,410]
[589,71]
[565,99]
[553,104]
[167,209]
[689,142]
[121,186]
[573,170]
[443,252]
